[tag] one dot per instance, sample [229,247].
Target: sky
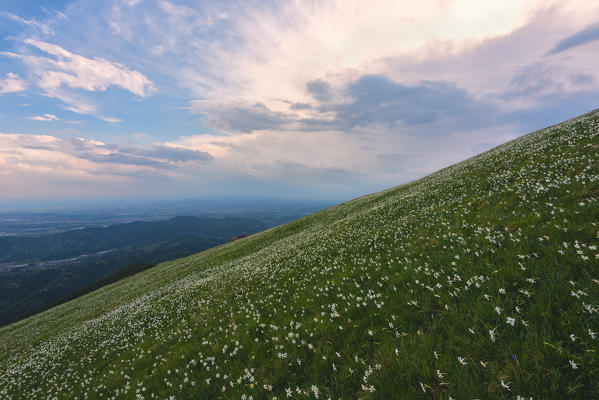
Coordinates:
[291,99]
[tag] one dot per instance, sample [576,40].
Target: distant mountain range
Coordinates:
[39,271]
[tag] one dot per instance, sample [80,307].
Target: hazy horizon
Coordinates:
[213,203]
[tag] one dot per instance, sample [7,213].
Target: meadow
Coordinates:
[478,281]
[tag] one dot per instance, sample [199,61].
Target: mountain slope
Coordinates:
[481,280]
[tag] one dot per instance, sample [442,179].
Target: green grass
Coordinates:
[478,281]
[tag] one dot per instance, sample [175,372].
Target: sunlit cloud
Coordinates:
[11,83]
[291,54]
[336,42]
[297,95]
[78,72]
[60,73]
[43,28]
[41,151]
[45,117]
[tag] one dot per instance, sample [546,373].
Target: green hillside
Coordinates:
[478,281]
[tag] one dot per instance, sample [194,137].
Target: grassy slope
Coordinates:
[392,295]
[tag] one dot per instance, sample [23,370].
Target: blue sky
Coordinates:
[165,98]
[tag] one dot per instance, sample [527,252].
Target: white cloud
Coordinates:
[43,28]
[177,10]
[12,84]
[342,164]
[78,72]
[78,104]
[284,48]
[88,157]
[267,56]
[377,157]
[61,74]
[45,117]
[132,3]
[247,69]
[10,54]
[109,119]
[74,102]
[235,56]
